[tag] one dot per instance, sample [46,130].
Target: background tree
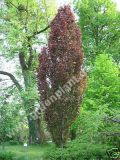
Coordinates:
[99,119]
[99,21]
[22,23]
[59,62]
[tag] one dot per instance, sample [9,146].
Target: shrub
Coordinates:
[78,151]
[6,155]
[13,142]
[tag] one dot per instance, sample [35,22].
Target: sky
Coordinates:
[63,2]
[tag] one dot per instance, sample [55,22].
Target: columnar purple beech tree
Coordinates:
[59,62]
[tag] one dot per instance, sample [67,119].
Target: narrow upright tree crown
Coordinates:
[59,62]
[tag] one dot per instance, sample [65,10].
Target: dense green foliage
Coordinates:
[6,155]
[78,151]
[99,119]
[99,21]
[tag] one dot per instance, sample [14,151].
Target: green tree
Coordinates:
[8,110]
[99,21]
[99,119]
[22,23]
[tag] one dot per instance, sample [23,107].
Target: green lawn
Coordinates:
[30,153]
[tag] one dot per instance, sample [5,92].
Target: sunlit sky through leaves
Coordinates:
[63,2]
[118,4]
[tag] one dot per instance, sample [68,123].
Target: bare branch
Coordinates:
[19,8]
[30,47]
[13,5]
[14,80]
[38,32]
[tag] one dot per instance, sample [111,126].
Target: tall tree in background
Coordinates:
[100,114]
[61,61]
[21,23]
[99,21]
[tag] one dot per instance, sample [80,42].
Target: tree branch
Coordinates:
[30,47]
[38,32]
[14,80]
[13,5]
[20,7]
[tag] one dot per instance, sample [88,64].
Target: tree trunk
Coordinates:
[40,130]
[33,137]
[35,131]
[73,134]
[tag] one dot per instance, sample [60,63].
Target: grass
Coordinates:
[35,152]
